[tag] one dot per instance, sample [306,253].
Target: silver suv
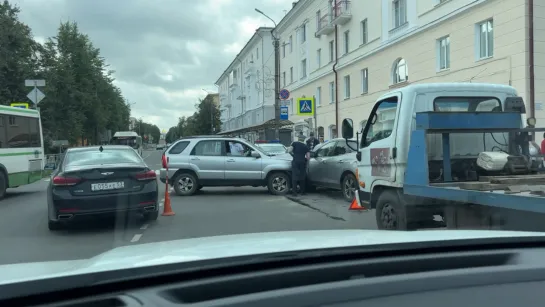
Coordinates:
[207,161]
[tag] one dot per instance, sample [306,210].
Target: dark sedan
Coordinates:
[101,180]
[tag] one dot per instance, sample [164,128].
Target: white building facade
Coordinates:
[246,87]
[348,53]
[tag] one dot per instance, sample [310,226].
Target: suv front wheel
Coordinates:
[185,184]
[278,183]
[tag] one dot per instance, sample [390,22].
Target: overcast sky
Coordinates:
[164,52]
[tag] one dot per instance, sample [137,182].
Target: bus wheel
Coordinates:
[3,185]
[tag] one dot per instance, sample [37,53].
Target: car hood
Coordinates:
[283,156]
[187,250]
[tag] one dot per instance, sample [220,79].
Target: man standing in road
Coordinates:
[300,153]
[312,142]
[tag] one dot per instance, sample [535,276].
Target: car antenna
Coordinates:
[101,148]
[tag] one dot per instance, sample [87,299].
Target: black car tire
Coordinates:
[151,216]
[189,176]
[3,185]
[344,186]
[52,225]
[276,176]
[390,212]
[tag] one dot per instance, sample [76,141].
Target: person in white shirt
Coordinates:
[236,149]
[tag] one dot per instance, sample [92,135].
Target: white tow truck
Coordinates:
[462,151]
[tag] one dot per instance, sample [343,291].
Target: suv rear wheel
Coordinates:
[278,183]
[185,184]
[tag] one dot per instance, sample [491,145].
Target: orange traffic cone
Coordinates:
[167,209]
[355,206]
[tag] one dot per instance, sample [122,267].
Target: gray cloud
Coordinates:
[163,52]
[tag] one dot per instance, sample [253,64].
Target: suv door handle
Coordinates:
[195,158]
[231,160]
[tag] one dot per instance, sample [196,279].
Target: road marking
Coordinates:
[162,203]
[144,227]
[157,172]
[136,238]
[47,179]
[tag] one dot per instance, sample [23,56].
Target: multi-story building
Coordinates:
[246,89]
[348,53]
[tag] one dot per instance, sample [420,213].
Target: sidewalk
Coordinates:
[331,204]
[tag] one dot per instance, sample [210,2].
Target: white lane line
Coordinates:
[136,238]
[144,227]
[47,179]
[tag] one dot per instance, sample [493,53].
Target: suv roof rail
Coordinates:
[203,137]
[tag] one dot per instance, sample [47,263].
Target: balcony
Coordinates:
[342,12]
[325,26]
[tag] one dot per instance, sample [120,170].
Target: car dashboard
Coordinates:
[498,275]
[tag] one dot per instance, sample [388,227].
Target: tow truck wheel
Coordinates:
[390,213]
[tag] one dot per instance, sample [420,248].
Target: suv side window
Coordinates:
[178,148]
[237,149]
[207,148]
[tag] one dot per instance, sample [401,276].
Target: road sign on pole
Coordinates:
[34,83]
[305,106]
[284,113]
[36,95]
[284,94]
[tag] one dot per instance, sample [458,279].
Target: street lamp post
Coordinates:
[276,44]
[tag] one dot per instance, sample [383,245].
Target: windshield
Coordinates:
[96,157]
[230,117]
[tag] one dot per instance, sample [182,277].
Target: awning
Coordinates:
[284,124]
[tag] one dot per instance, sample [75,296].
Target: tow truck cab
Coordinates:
[385,140]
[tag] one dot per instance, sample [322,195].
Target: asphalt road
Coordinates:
[24,236]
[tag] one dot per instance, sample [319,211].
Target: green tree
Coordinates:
[150,132]
[81,99]
[206,118]
[19,55]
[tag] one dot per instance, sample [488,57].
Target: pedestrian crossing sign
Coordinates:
[305,106]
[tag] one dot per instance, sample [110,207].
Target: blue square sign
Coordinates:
[305,106]
[284,113]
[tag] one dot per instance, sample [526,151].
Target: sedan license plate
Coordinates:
[107,186]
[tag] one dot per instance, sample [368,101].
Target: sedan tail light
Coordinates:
[147,175]
[65,181]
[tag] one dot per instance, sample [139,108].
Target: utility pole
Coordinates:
[276,44]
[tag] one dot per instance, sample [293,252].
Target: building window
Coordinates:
[331,92]
[283,49]
[291,44]
[331,51]
[304,68]
[400,71]
[318,96]
[318,17]
[346,87]
[346,42]
[364,81]
[284,78]
[257,53]
[303,33]
[319,58]
[291,75]
[485,38]
[443,45]
[399,8]
[364,30]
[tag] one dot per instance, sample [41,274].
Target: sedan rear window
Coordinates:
[108,156]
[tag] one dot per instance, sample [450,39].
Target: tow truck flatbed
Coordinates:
[512,192]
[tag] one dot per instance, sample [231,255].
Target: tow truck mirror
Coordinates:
[348,128]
